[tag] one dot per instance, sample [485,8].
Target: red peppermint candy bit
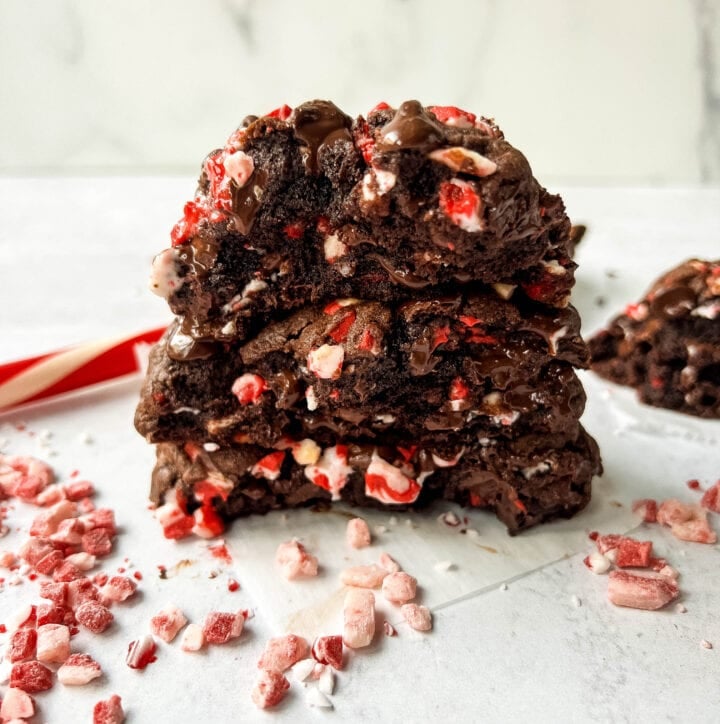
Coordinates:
[475,337]
[79,489]
[476,501]
[80,591]
[323,224]
[282,652]
[608,542]
[332,307]
[382,106]
[248,388]
[205,491]
[47,564]
[34,550]
[328,650]
[101,518]
[31,677]
[469,321]
[22,645]
[367,342]
[219,627]
[407,452]
[208,524]
[461,204]
[97,542]
[141,652]
[78,670]
[711,498]
[341,330]
[646,509]
[55,592]
[633,553]
[283,113]
[187,227]
[233,585]
[109,711]
[687,522]
[269,689]
[440,336]
[66,572]
[647,591]
[93,616]
[269,466]
[221,552]
[51,613]
[294,230]
[386,483]
[693,484]
[365,142]
[453,116]
[459,389]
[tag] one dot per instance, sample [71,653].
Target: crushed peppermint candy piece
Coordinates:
[294,560]
[326,361]
[141,652]
[632,553]
[109,711]
[93,616]
[399,587]
[648,591]
[686,522]
[597,562]
[22,645]
[31,676]
[463,160]
[389,563]
[417,617]
[331,471]
[193,638]
[711,498]
[220,627]
[704,643]
[303,669]
[328,650]
[646,509]
[16,705]
[118,588]
[370,576]
[78,670]
[315,697]
[389,629]
[358,618]
[53,643]
[282,652]
[388,484]
[249,389]
[269,689]
[326,682]
[167,623]
[461,203]
[358,533]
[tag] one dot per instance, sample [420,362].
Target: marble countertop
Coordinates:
[546,646]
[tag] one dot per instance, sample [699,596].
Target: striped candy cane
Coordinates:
[54,373]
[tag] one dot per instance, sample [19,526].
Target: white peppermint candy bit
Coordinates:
[334,248]
[326,361]
[504,291]
[331,471]
[326,683]
[193,638]
[315,697]
[311,399]
[164,277]
[598,563]
[302,669]
[463,160]
[707,311]
[239,167]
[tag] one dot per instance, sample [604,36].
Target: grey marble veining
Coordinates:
[592,92]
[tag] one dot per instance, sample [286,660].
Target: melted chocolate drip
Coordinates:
[286,388]
[411,127]
[246,200]
[200,255]
[317,125]
[673,302]
[183,347]
[400,276]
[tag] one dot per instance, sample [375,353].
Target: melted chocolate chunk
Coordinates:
[319,124]
[411,127]
[246,201]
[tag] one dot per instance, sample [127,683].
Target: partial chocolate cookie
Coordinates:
[455,368]
[525,482]
[306,205]
[668,344]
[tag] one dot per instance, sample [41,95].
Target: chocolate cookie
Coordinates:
[451,368]
[667,345]
[525,482]
[303,206]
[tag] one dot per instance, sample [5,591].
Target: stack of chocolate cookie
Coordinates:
[371,310]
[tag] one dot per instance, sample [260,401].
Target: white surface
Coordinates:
[592,91]
[524,653]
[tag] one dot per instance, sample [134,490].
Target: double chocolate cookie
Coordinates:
[667,345]
[374,310]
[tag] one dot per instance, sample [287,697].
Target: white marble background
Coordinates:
[598,91]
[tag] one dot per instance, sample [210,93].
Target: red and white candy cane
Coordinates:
[55,373]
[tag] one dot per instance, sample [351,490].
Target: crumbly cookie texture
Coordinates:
[667,345]
[308,205]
